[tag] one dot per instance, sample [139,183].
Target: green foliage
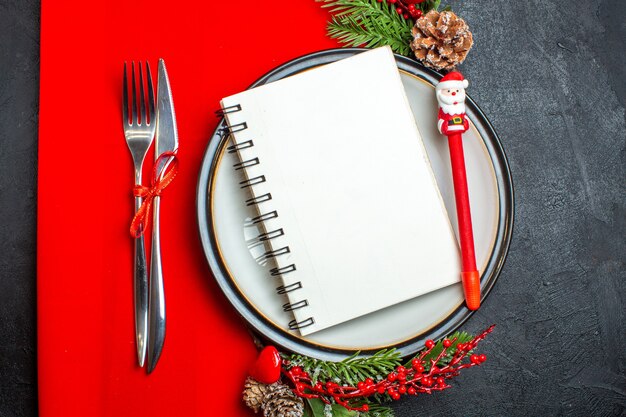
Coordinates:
[377,410]
[352,369]
[429,5]
[368,23]
[315,408]
[377,366]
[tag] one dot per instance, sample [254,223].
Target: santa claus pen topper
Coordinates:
[452,122]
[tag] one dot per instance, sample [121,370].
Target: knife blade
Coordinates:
[166,141]
[166,131]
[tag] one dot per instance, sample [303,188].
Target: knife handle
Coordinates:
[140,287]
[156,305]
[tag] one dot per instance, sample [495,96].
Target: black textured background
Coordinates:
[550,74]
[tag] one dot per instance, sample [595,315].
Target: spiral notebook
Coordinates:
[345,200]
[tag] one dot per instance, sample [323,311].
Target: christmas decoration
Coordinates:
[276,400]
[368,23]
[267,367]
[441,40]
[254,393]
[280,401]
[453,123]
[359,385]
[160,181]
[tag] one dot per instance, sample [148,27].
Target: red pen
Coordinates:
[452,122]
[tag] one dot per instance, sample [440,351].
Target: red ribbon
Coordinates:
[158,184]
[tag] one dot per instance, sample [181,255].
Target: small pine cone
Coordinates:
[441,40]
[254,393]
[280,401]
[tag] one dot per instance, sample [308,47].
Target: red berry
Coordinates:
[401,369]
[411,6]
[402,377]
[395,396]
[429,344]
[390,391]
[399,10]
[419,369]
[296,370]
[392,1]
[392,377]
[299,387]
[406,15]
[475,359]
[427,381]
[415,362]
[411,391]
[447,343]
[434,369]
[381,390]
[365,407]
[369,381]
[482,358]
[441,382]
[460,346]
[402,389]
[319,386]
[360,385]
[418,13]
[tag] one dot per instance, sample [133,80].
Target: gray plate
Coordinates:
[443,311]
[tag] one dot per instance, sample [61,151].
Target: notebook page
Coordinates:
[352,186]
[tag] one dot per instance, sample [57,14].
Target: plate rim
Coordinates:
[268,332]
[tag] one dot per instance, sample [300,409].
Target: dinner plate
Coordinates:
[224,230]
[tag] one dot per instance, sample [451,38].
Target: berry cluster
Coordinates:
[406,8]
[424,375]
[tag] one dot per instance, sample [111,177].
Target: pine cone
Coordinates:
[280,401]
[254,394]
[441,40]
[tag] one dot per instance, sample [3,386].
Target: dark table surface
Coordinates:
[551,77]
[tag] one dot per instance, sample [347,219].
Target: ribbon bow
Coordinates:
[158,184]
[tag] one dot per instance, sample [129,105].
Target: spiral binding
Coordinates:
[282,271]
[266,236]
[260,199]
[264,217]
[296,325]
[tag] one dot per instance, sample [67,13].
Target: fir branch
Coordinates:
[363,384]
[368,23]
[350,370]
[316,408]
[377,410]
[429,5]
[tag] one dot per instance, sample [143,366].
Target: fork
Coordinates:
[139,132]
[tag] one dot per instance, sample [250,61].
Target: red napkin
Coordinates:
[86,346]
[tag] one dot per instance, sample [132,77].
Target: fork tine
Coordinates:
[143,116]
[150,94]
[125,97]
[134,109]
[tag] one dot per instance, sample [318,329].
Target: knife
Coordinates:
[166,141]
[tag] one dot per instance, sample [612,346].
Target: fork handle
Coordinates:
[156,305]
[140,286]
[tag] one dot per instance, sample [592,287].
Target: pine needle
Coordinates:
[368,23]
[352,369]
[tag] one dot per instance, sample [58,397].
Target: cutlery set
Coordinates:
[142,121]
